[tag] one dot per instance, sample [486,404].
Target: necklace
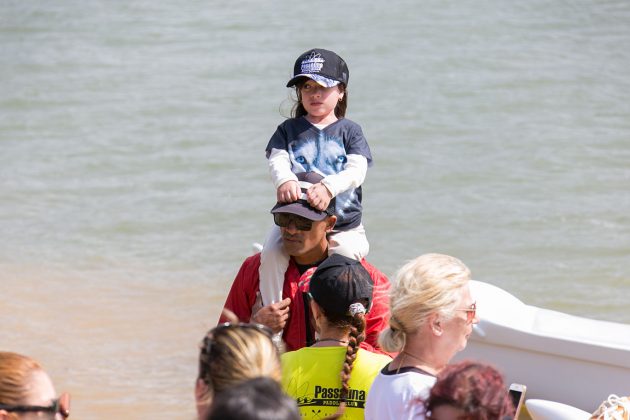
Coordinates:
[425,366]
[319,340]
[414,357]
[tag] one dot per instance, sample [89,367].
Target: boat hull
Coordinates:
[560,357]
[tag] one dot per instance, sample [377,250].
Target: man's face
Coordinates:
[305,246]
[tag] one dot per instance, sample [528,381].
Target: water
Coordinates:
[133,178]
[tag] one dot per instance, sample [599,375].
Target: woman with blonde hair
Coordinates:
[432,314]
[26,391]
[232,353]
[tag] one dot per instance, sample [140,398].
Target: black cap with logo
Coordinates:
[338,282]
[323,66]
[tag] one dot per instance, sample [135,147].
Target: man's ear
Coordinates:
[330,223]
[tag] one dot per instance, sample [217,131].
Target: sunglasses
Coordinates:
[284,219]
[471,312]
[61,405]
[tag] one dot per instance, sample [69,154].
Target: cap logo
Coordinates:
[313,63]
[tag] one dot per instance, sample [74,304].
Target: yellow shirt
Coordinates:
[311,375]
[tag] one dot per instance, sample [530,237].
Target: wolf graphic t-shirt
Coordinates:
[325,152]
[311,375]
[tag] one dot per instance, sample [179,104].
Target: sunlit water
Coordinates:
[133,178]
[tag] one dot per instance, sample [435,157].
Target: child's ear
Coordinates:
[201,389]
[203,397]
[315,309]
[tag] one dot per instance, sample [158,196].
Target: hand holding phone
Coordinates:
[517,395]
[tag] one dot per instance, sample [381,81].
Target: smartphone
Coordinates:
[517,395]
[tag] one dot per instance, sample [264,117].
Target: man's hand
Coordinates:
[274,316]
[288,192]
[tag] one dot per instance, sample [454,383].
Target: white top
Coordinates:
[398,396]
[352,176]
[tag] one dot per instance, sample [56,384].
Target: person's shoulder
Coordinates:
[249,268]
[416,378]
[252,260]
[288,357]
[374,272]
[370,364]
[294,357]
[291,122]
[372,357]
[290,362]
[348,124]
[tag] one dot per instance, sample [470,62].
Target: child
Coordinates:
[318,138]
[334,372]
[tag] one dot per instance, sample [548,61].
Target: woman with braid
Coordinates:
[331,378]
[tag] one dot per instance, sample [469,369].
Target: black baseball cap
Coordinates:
[301,207]
[323,66]
[338,282]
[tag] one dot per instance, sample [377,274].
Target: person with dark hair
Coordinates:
[340,293]
[320,139]
[255,399]
[469,391]
[304,230]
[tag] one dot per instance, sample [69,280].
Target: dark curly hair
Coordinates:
[476,388]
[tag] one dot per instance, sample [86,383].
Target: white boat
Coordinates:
[559,357]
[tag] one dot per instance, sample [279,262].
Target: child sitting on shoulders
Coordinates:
[320,139]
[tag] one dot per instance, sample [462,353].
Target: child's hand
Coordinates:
[288,192]
[318,196]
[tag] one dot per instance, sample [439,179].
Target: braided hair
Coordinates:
[342,290]
[356,322]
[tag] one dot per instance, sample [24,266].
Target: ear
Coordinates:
[435,324]
[315,309]
[313,315]
[201,389]
[203,397]
[330,223]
